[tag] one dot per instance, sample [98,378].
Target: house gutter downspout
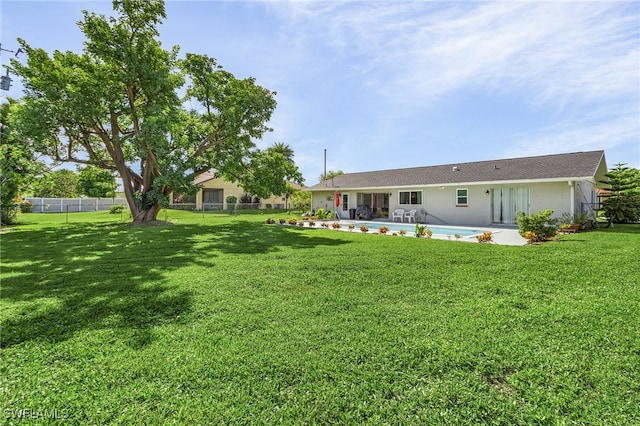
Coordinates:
[572,209]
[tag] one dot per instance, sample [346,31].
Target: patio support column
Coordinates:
[199,200]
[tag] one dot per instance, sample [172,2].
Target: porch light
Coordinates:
[487,192]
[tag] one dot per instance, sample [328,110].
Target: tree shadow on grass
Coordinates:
[251,238]
[59,281]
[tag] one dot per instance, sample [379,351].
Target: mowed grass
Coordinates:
[227,320]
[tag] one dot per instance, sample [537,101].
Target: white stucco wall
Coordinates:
[319,200]
[439,202]
[557,196]
[554,196]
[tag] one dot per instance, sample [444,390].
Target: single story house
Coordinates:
[476,193]
[214,191]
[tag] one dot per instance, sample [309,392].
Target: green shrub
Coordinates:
[116,209]
[420,230]
[622,208]
[9,214]
[26,207]
[231,201]
[539,224]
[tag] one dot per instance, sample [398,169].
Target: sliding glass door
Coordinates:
[378,201]
[507,202]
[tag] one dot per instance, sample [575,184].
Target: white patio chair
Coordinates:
[410,216]
[398,213]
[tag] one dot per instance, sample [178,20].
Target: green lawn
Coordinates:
[225,319]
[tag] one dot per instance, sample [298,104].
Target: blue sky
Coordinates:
[383,85]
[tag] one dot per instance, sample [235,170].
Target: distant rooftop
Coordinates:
[206,176]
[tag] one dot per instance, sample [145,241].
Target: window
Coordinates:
[410,197]
[364,198]
[462,197]
[345,202]
[210,196]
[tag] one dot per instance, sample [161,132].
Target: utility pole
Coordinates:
[5,80]
[325,164]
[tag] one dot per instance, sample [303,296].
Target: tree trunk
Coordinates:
[148,215]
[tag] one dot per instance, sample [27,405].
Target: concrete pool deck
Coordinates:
[507,236]
[502,235]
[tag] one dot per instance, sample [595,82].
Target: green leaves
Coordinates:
[96,182]
[57,184]
[116,105]
[541,224]
[268,174]
[623,204]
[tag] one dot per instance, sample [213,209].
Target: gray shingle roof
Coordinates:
[546,167]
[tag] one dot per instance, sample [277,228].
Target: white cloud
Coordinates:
[574,63]
[562,51]
[580,135]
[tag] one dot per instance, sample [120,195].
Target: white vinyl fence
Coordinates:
[64,205]
[69,205]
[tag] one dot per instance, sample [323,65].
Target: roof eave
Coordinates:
[467,183]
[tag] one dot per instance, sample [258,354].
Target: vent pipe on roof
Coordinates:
[455,168]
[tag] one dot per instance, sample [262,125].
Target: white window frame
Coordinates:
[419,203]
[459,197]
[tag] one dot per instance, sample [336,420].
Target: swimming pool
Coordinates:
[411,227]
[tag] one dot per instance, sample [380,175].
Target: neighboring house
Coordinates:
[477,193]
[214,191]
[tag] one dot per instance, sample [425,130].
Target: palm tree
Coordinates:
[284,150]
[330,174]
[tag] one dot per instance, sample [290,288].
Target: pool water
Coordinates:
[411,227]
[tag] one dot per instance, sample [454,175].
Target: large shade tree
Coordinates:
[118,106]
[18,165]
